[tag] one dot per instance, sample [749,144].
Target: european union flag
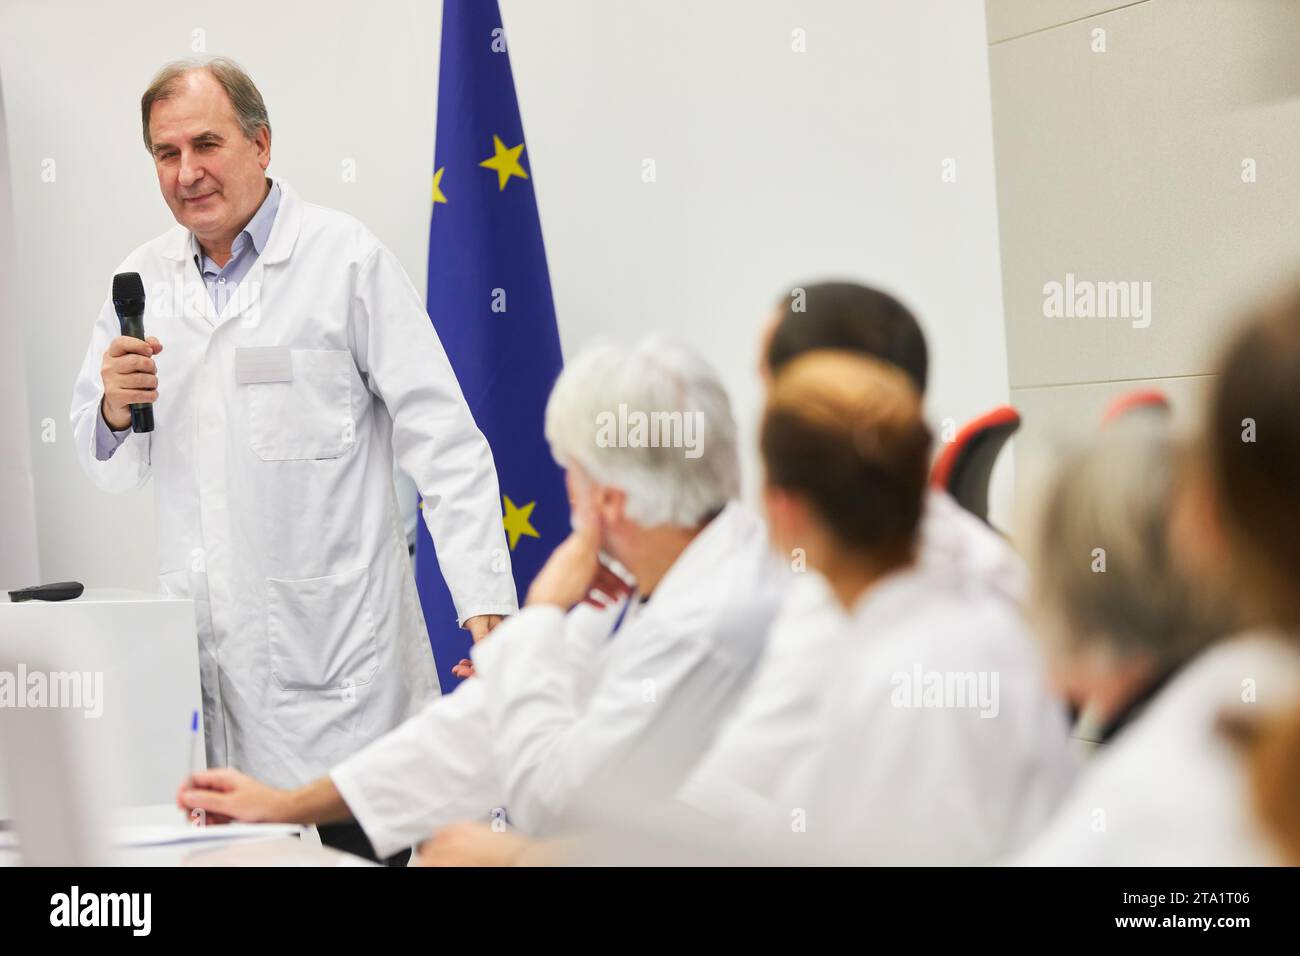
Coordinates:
[490,299]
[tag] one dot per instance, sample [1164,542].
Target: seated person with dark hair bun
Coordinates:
[780,717]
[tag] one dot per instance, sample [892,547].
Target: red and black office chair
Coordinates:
[1141,400]
[965,466]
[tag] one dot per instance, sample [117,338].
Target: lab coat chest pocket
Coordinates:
[321,632]
[307,417]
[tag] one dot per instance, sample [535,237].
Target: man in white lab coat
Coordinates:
[579,715]
[298,360]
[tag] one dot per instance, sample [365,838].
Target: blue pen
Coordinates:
[194,742]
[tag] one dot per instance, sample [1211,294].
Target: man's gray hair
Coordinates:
[1105,575]
[653,420]
[239,86]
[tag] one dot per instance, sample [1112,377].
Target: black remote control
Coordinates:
[63,591]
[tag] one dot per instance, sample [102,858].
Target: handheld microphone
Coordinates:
[128,300]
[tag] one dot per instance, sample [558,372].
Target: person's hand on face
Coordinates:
[607,588]
[574,567]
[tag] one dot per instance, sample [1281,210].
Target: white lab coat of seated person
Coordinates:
[1172,789]
[557,725]
[954,540]
[438,767]
[924,759]
[272,464]
[781,717]
[781,714]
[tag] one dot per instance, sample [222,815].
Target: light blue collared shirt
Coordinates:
[222,283]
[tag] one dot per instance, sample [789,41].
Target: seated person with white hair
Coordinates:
[575,711]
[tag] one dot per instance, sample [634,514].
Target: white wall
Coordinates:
[18,551]
[1127,165]
[771,166]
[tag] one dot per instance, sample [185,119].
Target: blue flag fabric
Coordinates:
[489,297]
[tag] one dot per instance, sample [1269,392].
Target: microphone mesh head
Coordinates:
[128,289]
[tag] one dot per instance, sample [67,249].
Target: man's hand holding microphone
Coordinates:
[130,378]
[128,370]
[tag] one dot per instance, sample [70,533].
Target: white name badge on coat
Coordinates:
[270,363]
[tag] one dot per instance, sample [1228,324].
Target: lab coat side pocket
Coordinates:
[321,632]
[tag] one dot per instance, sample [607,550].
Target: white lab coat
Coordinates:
[1171,789]
[564,719]
[899,777]
[955,542]
[782,715]
[274,499]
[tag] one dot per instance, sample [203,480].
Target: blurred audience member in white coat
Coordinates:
[1173,787]
[942,742]
[1119,623]
[781,715]
[849,317]
[581,713]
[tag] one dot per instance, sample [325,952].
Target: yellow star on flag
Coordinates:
[505,161]
[438,197]
[516,521]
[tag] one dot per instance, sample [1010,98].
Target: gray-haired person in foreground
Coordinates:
[1127,634]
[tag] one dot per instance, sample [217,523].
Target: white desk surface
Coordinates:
[251,851]
[99,596]
[274,849]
